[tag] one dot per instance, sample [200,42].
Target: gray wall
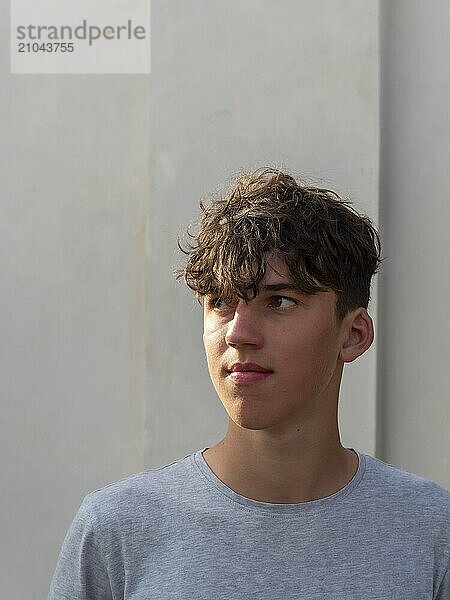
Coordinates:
[74,198]
[102,366]
[414,204]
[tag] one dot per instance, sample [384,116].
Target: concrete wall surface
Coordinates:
[74,198]
[414,341]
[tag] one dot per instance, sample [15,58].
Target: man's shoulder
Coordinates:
[137,492]
[394,485]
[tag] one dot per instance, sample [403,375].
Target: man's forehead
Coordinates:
[276,278]
[276,271]
[277,275]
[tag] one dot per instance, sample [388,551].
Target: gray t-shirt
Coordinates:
[178,532]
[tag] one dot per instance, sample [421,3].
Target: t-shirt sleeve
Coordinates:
[444,589]
[81,572]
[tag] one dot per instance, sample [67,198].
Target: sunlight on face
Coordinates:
[293,335]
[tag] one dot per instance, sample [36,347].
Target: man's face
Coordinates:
[293,335]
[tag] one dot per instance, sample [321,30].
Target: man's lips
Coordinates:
[245,373]
[244,367]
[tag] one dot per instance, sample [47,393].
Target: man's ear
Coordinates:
[358,335]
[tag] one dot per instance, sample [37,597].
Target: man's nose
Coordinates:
[244,328]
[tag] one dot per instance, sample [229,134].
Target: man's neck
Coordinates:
[287,472]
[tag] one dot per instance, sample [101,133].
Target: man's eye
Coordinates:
[277,301]
[217,303]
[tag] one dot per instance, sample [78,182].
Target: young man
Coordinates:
[278,508]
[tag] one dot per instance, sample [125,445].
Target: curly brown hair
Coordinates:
[325,243]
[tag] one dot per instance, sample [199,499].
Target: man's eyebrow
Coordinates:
[276,287]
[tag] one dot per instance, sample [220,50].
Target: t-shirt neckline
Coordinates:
[199,462]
